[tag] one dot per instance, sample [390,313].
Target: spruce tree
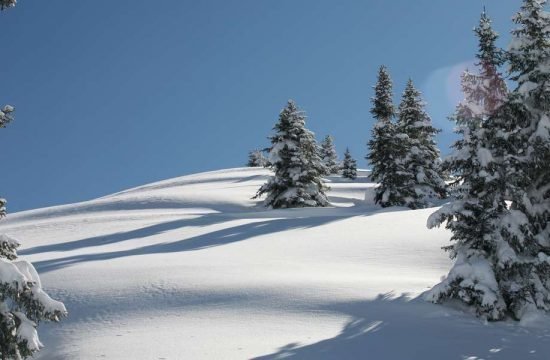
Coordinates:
[524,275]
[479,204]
[295,160]
[419,160]
[23,303]
[328,156]
[384,147]
[4,4]
[349,166]
[257,159]
[6,115]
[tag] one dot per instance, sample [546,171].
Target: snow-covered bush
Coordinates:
[294,157]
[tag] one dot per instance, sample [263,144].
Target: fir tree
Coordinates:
[328,156]
[349,166]
[23,303]
[257,159]
[4,4]
[6,115]
[473,216]
[384,146]
[295,160]
[524,275]
[419,160]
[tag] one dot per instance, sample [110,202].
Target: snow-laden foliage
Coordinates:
[23,304]
[349,166]
[526,117]
[6,115]
[294,157]
[384,146]
[419,178]
[475,214]
[2,208]
[502,250]
[4,4]
[256,158]
[329,156]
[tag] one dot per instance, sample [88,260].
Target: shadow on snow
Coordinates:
[401,328]
[211,239]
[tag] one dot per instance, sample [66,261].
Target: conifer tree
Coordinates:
[384,147]
[419,160]
[23,303]
[349,166]
[256,159]
[295,160]
[4,4]
[6,115]
[328,156]
[521,133]
[473,216]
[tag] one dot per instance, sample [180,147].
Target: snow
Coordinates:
[193,268]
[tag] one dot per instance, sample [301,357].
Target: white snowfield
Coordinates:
[192,268]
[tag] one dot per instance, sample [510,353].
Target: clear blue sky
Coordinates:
[115,94]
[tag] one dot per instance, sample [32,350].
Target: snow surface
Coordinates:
[192,268]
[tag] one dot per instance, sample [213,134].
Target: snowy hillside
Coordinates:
[192,268]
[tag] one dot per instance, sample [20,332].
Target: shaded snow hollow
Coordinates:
[192,268]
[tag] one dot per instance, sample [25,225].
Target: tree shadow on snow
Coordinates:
[204,220]
[401,328]
[216,238]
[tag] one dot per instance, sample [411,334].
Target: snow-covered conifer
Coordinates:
[294,157]
[23,303]
[419,159]
[349,166]
[6,115]
[508,272]
[479,204]
[383,145]
[4,4]
[329,156]
[523,136]
[257,159]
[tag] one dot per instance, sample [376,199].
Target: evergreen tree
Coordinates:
[349,166]
[419,160]
[4,4]
[6,115]
[257,159]
[328,156]
[295,160]
[524,275]
[473,216]
[23,303]
[384,147]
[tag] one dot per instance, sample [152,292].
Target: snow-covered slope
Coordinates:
[192,268]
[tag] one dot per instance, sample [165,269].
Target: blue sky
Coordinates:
[115,94]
